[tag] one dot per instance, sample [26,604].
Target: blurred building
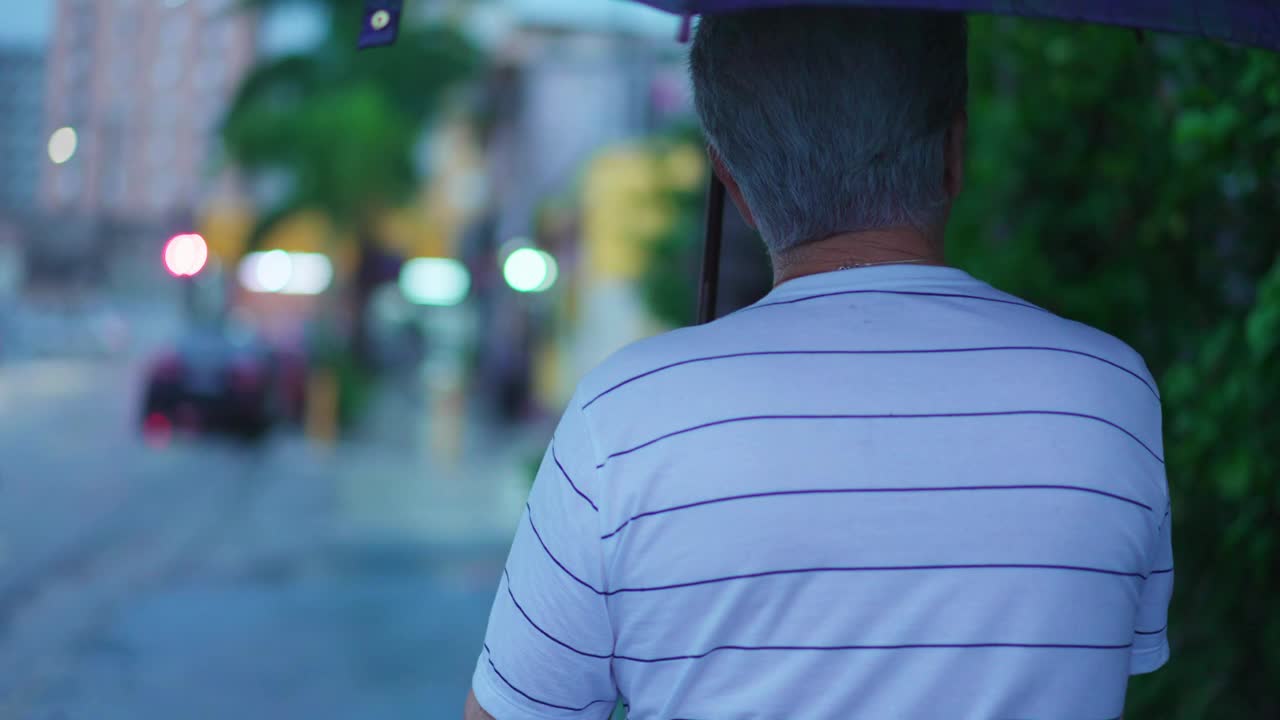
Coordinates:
[143,83]
[573,78]
[21,121]
[580,76]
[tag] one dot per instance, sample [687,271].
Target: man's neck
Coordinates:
[892,245]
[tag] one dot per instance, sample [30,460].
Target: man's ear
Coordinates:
[735,192]
[953,175]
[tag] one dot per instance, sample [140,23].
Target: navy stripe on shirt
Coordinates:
[895,416]
[1151,632]
[842,491]
[529,514]
[879,568]
[767,353]
[903,646]
[918,293]
[489,654]
[798,571]
[566,477]
[537,627]
[1117,717]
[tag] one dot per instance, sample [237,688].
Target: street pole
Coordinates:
[190,301]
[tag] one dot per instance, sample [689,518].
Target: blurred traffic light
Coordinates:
[434,281]
[529,270]
[185,255]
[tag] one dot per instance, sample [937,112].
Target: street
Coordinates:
[210,579]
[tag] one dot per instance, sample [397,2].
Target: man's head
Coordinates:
[831,121]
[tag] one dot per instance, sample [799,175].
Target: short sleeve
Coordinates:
[548,649]
[1151,634]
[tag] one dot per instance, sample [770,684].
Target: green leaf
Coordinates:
[1262,330]
[345,123]
[1234,480]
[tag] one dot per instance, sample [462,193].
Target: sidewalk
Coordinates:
[393,486]
[354,584]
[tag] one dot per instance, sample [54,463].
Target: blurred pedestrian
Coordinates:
[886,490]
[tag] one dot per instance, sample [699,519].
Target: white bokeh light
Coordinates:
[285,273]
[434,281]
[312,274]
[528,270]
[273,271]
[62,145]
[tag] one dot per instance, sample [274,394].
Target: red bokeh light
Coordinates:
[158,429]
[185,255]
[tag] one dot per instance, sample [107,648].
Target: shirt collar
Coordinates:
[877,277]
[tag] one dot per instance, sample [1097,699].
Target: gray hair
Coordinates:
[832,120]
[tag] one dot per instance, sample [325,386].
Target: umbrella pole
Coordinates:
[709,284]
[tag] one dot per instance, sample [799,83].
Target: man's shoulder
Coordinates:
[1050,328]
[1082,337]
[648,355]
[734,333]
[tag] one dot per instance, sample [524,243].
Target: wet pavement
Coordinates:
[217,580]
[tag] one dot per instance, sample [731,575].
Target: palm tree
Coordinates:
[339,127]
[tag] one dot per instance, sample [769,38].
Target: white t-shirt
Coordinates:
[891,492]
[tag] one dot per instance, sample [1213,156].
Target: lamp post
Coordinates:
[185,255]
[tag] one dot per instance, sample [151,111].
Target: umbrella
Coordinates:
[1242,22]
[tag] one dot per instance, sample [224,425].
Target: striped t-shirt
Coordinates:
[886,492]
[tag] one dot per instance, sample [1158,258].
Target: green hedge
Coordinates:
[1133,186]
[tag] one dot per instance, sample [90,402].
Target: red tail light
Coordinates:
[157,429]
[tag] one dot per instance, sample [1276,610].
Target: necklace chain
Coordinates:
[889,262]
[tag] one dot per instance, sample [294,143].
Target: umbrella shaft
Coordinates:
[709,285]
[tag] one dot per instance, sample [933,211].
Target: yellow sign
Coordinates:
[226,230]
[409,232]
[303,232]
[619,215]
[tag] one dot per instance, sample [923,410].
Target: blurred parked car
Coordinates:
[217,380]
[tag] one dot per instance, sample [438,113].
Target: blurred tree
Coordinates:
[338,128]
[669,283]
[1133,186]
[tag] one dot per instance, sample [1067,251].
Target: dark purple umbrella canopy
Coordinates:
[1242,22]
